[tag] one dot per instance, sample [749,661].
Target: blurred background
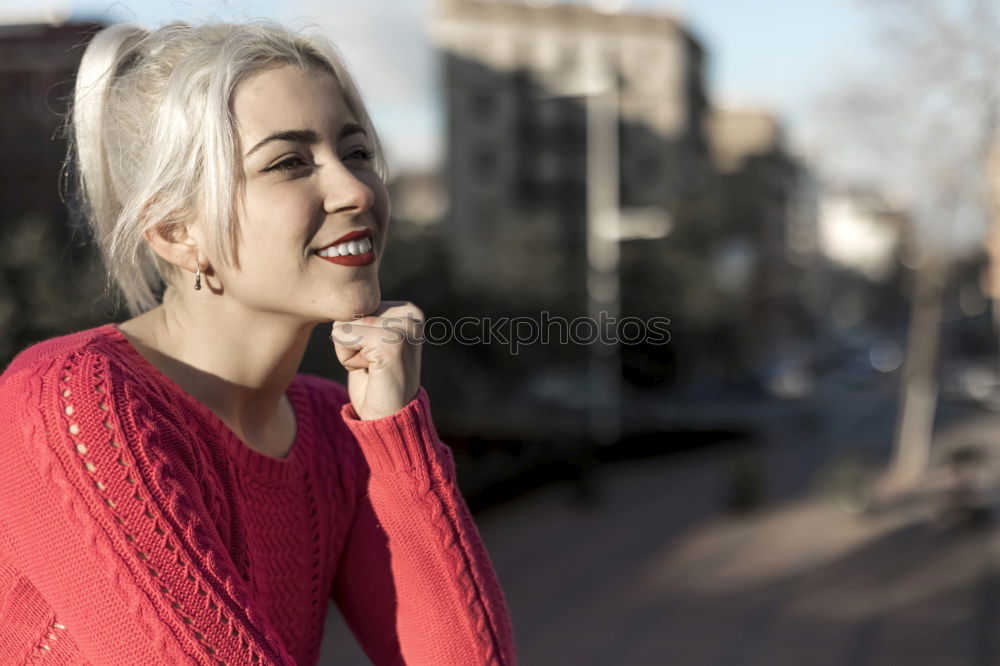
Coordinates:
[805,470]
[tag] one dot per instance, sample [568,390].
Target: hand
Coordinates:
[382,355]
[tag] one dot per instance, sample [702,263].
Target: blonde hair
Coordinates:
[153,139]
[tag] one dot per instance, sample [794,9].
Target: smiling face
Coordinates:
[310,179]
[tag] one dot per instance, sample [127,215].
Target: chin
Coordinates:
[360,305]
[341,300]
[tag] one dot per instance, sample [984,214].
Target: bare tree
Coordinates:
[924,122]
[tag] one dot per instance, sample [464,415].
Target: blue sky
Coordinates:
[777,54]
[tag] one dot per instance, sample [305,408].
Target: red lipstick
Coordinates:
[360,233]
[351,259]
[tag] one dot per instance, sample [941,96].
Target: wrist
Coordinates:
[365,413]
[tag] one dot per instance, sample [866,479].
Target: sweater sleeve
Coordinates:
[415,583]
[110,521]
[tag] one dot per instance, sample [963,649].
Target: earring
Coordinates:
[197,278]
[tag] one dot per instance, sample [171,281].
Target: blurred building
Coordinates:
[50,280]
[516,78]
[415,264]
[419,199]
[763,240]
[734,267]
[867,240]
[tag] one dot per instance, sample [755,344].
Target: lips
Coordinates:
[352,259]
[351,235]
[362,259]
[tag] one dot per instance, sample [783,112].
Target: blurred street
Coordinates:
[657,571]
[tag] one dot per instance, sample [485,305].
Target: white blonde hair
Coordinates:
[152,134]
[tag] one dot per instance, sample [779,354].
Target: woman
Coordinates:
[172,490]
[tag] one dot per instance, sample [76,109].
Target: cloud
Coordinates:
[384,42]
[386,46]
[19,12]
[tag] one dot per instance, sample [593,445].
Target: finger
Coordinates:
[365,358]
[350,358]
[400,327]
[355,336]
[401,322]
[348,345]
[395,307]
[401,315]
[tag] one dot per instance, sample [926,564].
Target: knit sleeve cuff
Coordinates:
[402,442]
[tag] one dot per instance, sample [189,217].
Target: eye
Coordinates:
[287,165]
[361,154]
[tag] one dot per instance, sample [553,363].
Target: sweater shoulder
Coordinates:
[41,354]
[86,358]
[54,354]
[71,392]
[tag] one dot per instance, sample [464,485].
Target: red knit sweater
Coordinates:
[136,528]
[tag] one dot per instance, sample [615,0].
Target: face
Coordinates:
[304,192]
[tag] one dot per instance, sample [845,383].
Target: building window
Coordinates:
[547,165]
[483,106]
[548,112]
[650,169]
[484,163]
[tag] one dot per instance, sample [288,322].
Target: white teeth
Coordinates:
[350,247]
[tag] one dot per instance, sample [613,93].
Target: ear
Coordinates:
[176,243]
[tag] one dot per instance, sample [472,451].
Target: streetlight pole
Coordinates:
[603,255]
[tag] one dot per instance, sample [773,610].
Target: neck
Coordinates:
[236,361]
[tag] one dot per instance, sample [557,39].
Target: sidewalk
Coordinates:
[656,573]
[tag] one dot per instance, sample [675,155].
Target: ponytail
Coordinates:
[108,54]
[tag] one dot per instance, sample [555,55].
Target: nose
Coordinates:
[345,192]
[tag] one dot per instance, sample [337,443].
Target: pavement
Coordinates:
[654,566]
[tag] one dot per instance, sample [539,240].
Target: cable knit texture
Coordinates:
[137,528]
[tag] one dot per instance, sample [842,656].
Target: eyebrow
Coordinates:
[305,136]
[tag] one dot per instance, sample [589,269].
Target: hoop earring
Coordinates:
[197,279]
